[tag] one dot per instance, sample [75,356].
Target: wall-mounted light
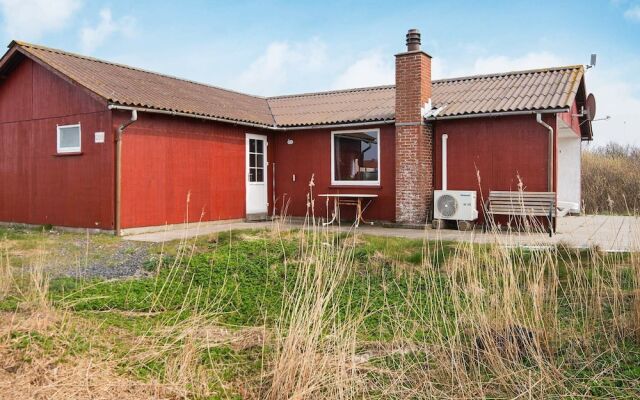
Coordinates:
[289,141]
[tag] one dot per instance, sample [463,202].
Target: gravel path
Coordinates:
[126,260]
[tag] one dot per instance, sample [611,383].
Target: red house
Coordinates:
[87,143]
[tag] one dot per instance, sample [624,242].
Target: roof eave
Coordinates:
[5,61]
[118,106]
[500,114]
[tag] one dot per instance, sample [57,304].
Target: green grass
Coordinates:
[242,279]
[245,279]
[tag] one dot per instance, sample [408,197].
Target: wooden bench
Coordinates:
[523,204]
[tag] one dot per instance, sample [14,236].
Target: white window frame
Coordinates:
[63,150]
[335,182]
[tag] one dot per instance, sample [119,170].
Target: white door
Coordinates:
[256,174]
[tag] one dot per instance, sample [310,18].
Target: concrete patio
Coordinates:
[609,233]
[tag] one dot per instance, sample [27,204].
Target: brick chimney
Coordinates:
[414,137]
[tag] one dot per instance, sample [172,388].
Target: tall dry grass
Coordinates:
[6,276]
[36,369]
[611,179]
[498,324]
[488,321]
[314,339]
[30,283]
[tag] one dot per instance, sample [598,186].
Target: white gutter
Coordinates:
[348,125]
[499,114]
[249,124]
[444,161]
[181,114]
[323,126]
[551,150]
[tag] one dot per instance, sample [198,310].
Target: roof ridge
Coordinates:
[475,94]
[304,94]
[518,72]
[327,92]
[442,80]
[83,57]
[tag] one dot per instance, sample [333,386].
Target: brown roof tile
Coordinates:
[550,88]
[340,106]
[129,86]
[541,89]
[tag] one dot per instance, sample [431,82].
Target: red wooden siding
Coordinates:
[310,154]
[571,118]
[165,158]
[38,186]
[498,150]
[16,94]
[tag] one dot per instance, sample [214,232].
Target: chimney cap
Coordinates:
[413,40]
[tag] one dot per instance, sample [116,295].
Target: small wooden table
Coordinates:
[349,199]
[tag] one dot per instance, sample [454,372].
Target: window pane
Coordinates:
[259,144]
[260,161]
[70,137]
[252,145]
[356,156]
[252,175]
[252,160]
[260,175]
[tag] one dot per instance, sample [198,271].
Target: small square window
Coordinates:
[69,139]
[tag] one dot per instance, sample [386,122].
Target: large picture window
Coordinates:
[355,158]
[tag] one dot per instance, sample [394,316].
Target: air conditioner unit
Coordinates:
[459,205]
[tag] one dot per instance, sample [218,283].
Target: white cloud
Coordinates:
[616,97]
[438,68]
[499,63]
[371,70]
[282,64]
[633,13]
[30,19]
[93,37]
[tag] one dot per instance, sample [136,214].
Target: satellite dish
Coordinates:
[590,107]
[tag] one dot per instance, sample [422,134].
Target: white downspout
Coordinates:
[118,180]
[444,161]
[550,129]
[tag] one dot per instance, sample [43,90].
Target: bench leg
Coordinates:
[552,220]
[486,216]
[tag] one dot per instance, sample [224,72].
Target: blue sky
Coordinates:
[279,47]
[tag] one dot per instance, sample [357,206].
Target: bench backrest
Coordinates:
[521,203]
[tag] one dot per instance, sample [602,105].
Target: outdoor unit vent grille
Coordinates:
[447,205]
